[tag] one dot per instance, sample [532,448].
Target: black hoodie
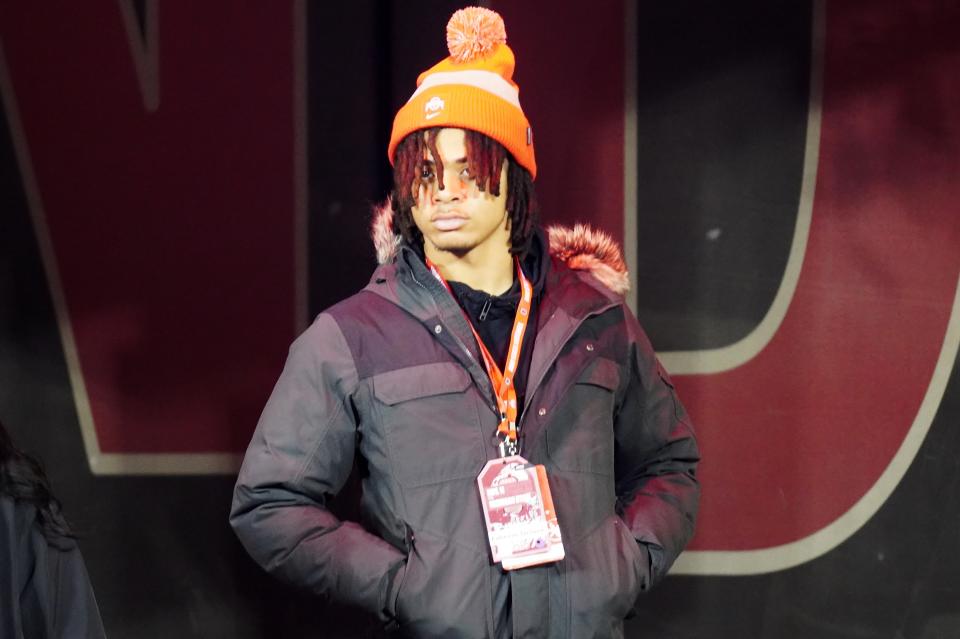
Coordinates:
[492,316]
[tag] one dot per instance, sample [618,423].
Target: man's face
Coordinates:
[460,217]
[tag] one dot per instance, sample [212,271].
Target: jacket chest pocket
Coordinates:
[430,417]
[580,433]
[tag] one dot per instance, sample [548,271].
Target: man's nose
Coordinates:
[454,187]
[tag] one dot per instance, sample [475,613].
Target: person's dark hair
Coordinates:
[22,478]
[485,157]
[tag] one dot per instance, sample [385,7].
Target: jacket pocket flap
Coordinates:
[603,372]
[424,380]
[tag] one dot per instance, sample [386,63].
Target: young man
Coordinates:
[480,343]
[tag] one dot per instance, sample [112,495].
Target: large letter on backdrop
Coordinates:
[809,423]
[159,158]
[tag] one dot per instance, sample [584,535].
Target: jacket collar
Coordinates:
[581,248]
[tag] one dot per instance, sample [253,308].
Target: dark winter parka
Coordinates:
[392,375]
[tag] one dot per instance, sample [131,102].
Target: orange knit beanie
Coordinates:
[471,89]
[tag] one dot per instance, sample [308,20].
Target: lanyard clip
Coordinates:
[508,446]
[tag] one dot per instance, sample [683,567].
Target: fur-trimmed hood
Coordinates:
[582,248]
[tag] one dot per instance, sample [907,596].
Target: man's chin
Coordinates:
[452,245]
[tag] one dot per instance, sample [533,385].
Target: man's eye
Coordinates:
[426,174]
[465,174]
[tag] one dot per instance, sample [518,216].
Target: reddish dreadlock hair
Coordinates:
[485,157]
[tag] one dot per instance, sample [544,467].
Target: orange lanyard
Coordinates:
[502,381]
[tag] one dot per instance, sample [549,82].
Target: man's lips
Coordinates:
[450,222]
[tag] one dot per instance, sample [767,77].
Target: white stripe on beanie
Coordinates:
[485,80]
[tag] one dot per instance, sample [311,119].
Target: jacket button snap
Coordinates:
[542,412]
[589,347]
[437,329]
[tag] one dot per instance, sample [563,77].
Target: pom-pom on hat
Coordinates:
[473,88]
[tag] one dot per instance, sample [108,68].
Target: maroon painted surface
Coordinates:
[793,438]
[573,96]
[177,264]
[190,354]
[173,230]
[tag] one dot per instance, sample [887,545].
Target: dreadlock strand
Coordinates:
[431,142]
[407,162]
[482,161]
[476,157]
[521,204]
[498,155]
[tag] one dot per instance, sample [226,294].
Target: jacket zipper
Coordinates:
[485,309]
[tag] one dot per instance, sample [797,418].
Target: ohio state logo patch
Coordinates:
[433,107]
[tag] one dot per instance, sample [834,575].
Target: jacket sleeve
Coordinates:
[300,456]
[44,587]
[656,458]
[73,606]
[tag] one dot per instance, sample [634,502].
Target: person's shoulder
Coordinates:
[365,310]
[21,526]
[369,303]
[580,283]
